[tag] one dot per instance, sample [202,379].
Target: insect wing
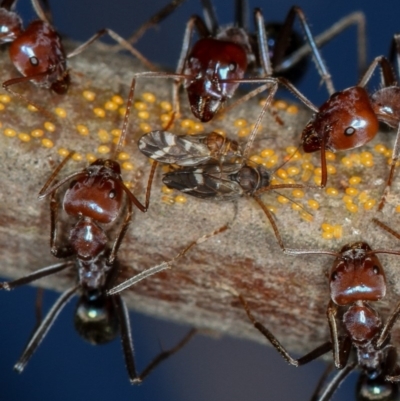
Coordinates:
[206,182]
[166,147]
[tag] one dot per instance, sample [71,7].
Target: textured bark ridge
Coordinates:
[289,294]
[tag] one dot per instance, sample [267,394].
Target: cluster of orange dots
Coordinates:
[293,167]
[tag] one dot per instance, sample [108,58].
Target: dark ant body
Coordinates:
[38,53]
[355,279]
[97,199]
[213,68]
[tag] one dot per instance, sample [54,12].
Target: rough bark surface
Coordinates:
[288,294]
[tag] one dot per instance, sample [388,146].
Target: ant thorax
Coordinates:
[386,104]
[10,25]
[363,324]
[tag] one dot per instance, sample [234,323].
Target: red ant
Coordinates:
[95,198]
[217,63]
[38,53]
[355,279]
[350,118]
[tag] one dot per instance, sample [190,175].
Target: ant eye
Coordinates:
[334,276]
[34,61]
[111,194]
[376,269]
[232,67]
[349,131]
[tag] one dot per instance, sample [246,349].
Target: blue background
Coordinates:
[65,367]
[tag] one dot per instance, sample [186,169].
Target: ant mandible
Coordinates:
[213,68]
[95,198]
[355,279]
[38,53]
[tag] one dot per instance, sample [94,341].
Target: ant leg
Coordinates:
[324,172]
[127,344]
[210,17]
[321,350]
[272,222]
[163,355]
[44,327]
[385,332]
[134,200]
[334,383]
[395,158]
[15,81]
[322,381]
[164,265]
[65,251]
[43,14]
[38,307]
[154,20]
[43,192]
[120,40]
[341,352]
[387,73]
[120,236]
[262,41]
[36,275]
[391,369]
[283,39]
[357,18]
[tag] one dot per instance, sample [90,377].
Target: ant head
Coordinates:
[38,52]
[252,178]
[345,121]
[97,193]
[10,26]
[357,275]
[377,389]
[211,64]
[96,319]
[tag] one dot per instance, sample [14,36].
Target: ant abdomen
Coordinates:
[96,319]
[377,389]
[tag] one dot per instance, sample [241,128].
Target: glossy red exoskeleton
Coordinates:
[350,118]
[38,52]
[356,279]
[212,69]
[98,207]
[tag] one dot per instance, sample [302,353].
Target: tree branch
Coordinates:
[288,294]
